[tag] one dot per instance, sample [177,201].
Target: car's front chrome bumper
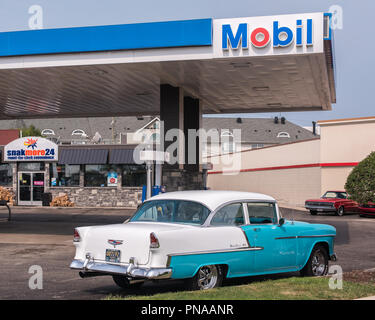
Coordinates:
[129,270]
[333,257]
[320,208]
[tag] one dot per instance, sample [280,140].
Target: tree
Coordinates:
[360,183]
[30,131]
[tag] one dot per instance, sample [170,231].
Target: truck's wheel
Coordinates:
[123,282]
[313,212]
[317,265]
[207,277]
[340,211]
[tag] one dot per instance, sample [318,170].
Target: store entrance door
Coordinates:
[30,188]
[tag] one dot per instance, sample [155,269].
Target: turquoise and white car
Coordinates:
[203,237]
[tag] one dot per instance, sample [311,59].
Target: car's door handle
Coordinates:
[256,229]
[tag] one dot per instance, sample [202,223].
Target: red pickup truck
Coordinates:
[332,201]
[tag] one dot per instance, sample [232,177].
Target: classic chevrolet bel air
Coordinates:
[203,237]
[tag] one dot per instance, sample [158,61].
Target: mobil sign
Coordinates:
[271,35]
[31,149]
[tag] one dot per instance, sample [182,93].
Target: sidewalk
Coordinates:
[367,298]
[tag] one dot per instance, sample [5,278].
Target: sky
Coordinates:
[354,46]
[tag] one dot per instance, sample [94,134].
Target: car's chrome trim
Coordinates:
[312,236]
[282,238]
[129,270]
[318,236]
[246,238]
[217,251]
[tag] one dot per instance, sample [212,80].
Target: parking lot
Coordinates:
[43,236]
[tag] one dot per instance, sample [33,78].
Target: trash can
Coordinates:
[155,190]
[46,199]
[144,192]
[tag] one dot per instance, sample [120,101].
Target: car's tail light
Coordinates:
[154,242]
[76,237]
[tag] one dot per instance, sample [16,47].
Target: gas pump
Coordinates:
[152,158]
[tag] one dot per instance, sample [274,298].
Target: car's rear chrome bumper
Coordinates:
[129,270]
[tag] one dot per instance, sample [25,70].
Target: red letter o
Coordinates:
[256,42]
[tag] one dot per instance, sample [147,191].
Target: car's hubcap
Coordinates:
[207,277]
[318,264]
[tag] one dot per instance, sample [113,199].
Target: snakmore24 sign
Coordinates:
[31,149]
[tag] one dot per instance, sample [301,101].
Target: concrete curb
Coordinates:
[367,298]
[292,207]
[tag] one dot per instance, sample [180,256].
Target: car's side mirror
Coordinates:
[281,222]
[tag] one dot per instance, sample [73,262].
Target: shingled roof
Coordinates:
[63,127]
[253,130]
[260,130]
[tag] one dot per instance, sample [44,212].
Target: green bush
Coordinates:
[360,183]
[31,131]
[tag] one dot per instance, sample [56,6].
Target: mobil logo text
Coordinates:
[243,34]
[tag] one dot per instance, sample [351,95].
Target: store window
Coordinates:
[5,175]
[133,175]
[100,175]
[65,175]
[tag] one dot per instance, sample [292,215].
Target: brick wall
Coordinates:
[100,197]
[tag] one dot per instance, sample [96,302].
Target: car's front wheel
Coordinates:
[317,265]
[207,277]
[340,211]
[124,283]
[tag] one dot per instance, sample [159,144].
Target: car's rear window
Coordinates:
[172,211]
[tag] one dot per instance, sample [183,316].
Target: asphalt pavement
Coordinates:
[43,237]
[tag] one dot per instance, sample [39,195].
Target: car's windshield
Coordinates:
[332,194]
[172,211]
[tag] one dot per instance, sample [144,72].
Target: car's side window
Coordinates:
[230,215]
[262,212]
[342,195]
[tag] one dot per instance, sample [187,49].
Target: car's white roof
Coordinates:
[212,198]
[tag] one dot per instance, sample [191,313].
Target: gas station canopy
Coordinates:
[241,65]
